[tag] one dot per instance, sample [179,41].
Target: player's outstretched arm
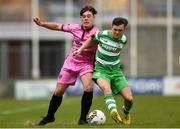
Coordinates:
[48,25]
[88,43]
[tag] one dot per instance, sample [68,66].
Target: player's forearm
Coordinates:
[88,43]
[51,25]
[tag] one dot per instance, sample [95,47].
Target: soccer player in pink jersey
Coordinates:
[74,66]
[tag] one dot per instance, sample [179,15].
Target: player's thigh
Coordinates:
[118,83]
[67,77]
[126,93]
[104,84]
[87,81]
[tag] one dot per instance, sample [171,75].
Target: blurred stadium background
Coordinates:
[30,56]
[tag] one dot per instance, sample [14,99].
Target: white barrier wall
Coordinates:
[32,89]
[29,89]
[171,86]
[44,88]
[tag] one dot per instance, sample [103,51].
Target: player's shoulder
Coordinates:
[104,32]
[96,29]
[73,25]
[124,38]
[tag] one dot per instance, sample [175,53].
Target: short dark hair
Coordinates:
[119,20]
[88,8]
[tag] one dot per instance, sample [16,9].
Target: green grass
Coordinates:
[148,112]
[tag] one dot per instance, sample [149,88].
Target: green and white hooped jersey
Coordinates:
[109,48]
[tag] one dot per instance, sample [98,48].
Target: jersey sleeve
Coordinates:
[96,37]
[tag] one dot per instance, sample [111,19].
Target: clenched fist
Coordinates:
[37,21]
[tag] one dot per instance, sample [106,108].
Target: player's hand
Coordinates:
[37,21]
[76,53]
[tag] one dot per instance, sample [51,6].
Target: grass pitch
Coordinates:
[147,112]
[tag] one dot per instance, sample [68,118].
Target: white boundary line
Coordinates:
[25,109]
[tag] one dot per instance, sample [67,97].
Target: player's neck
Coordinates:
[85,28]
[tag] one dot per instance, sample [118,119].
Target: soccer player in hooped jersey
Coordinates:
[74,66]
[107,73]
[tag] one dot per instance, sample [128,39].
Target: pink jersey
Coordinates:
[75,66]
[80,36]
